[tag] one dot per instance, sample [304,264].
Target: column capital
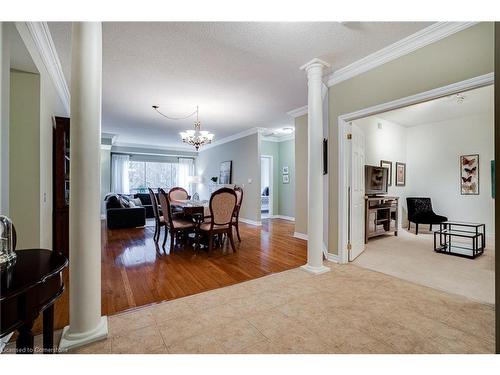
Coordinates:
[315,63]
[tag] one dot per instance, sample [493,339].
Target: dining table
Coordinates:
[197,210]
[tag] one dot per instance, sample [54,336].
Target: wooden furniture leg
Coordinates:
[238,231]
[48,330]
[25,340]
[231,239]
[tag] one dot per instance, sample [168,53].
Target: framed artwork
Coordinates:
[285,170]
[400,174]
[387,164]
[286,179]
[469,174]
[493,182]
[225,172]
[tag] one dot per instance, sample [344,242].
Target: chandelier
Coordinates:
[195,137]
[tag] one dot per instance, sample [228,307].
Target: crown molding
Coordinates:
[40,33]
[422,38]
[231,138]
[273,138]
[297,112]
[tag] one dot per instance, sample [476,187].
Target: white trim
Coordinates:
[343,120]
[231,138]
[289,218]
[251,222]
[422,38]
[297,112]
[273,138]
[155,147]
[333,258]
[315,270]
[106,147]
[299,235]
[70,341]
[271,184]
[42,39]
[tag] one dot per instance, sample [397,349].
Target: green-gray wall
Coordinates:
[245,155]
[283,154]
[24,157]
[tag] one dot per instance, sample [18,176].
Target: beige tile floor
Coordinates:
[412,258]
[347,310]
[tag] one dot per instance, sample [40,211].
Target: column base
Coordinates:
[315,270]
[71,341]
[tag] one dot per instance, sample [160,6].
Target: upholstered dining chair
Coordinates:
[222,205]
[159,219]
[236,215]
[172,226]
[177,194]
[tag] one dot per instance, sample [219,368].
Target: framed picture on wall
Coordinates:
[387,164]
[469,174]
[400,174]
[225,172]
[286,179]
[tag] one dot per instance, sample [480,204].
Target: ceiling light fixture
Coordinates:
[460,98]
[195,137]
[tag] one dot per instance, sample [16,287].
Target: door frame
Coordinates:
[344,154]
[271,185]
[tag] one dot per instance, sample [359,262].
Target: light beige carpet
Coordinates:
[411,257]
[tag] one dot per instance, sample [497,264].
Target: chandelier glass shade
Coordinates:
[194,137]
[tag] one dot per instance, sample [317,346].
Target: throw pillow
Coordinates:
[137,201]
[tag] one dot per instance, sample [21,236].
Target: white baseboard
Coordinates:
[251,222]
[302,236]
[333,258]
[289,218]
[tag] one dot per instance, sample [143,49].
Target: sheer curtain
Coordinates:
[186,169]
[119,174]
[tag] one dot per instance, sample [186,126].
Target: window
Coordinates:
[149,174]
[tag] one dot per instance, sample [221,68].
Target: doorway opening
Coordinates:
[266,186]
[434,148]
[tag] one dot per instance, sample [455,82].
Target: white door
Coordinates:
[357,193]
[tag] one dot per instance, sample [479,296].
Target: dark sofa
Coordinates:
[119,217]
[146,203]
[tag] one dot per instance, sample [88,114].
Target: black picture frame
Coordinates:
[226,172]
[325,156]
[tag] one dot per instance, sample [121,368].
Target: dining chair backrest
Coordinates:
[154,203]
[239,196]
[222,206]
[165,206]
[178,194]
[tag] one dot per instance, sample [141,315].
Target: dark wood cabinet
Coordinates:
[61,160]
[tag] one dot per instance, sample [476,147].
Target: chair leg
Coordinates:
[165,237]
[409,224]
[172,239]
[238,231]
[230,234]
[210,239]
[430,228]
[155,237]
[416,230]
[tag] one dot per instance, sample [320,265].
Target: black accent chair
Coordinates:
[118,217]
[420,212]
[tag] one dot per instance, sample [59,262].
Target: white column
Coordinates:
[314,70]
[86,323]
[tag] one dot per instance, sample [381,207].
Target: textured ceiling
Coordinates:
[242,75]
[475,102]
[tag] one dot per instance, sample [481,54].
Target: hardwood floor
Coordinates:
[136,273]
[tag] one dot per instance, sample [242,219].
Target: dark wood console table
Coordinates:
[29,287]
[381,216]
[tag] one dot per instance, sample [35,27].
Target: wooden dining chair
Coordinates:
[172,226]
[178,194]
[159,219]
[236,215]
[222,206]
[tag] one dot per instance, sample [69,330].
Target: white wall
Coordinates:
[434,151]
[388,143]
[4,118]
